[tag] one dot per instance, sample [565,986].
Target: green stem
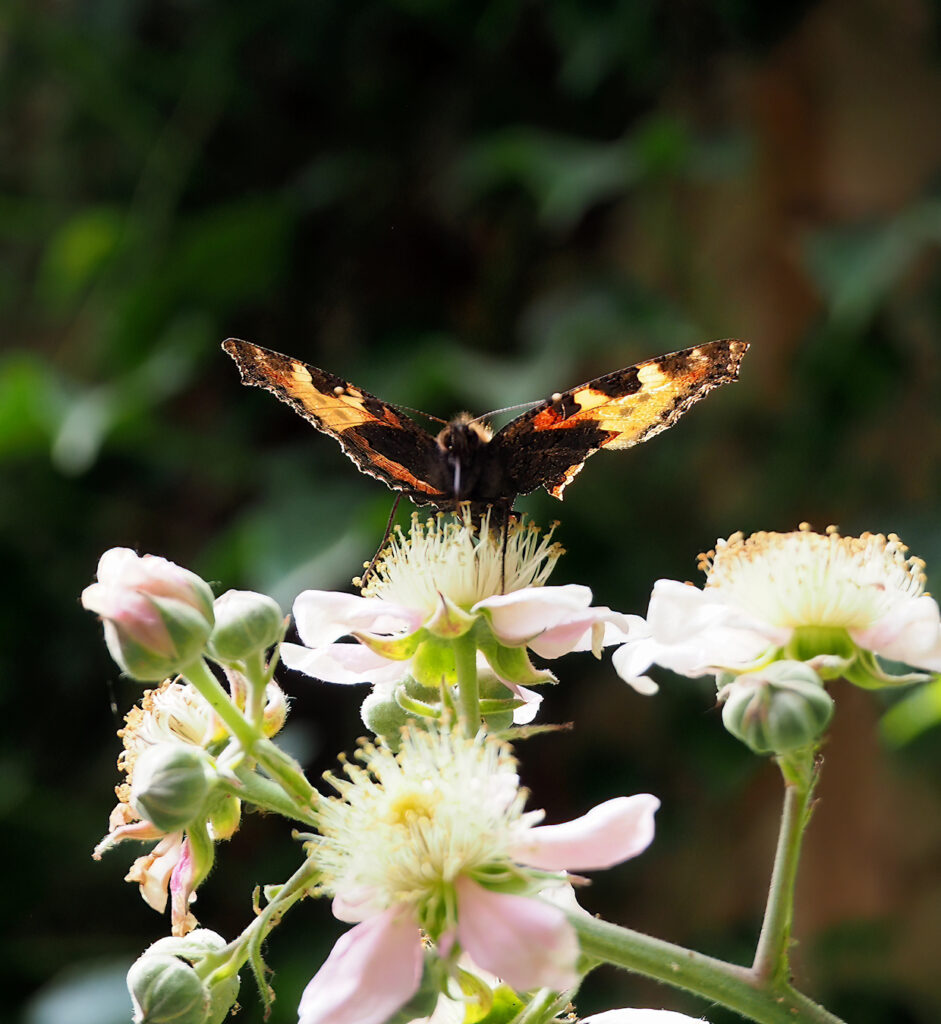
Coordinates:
[197,673]
[465,657]
[217,966]
[256,789]
[771,954]
[276,763]
[737,988]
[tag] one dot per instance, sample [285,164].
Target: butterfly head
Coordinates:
[459,444]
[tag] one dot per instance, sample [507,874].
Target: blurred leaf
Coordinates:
[913,714]
[565,175]
[232,253]
[76,254]
[93,414]
[31,403]
[856,268]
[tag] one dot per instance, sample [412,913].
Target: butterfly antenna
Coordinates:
[419,412]
[506,408]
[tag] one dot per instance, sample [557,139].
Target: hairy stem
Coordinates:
[771,954]
[729,985]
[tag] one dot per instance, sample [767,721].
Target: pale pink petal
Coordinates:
[910,633]
[322,616]
[608,834]
[525,714]
[609,628]
[372,970]
[153,870]
[344,663]
[517,617]
[632,661]
[135,616]
[641,1017]
[528,943]
[694,633]
[568,636]
[354,905]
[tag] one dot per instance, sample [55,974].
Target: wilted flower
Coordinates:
[832,601]
[172,715]
[434,840]
[157,616]
[441,582]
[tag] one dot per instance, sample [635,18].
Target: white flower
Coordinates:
[434,840]
[439,583]
[833,601]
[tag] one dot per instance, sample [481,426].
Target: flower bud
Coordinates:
[165,990]
[783,707]
[246,623]
[384,717]
[225,817]
[193,947]
[171,783]
[157,616]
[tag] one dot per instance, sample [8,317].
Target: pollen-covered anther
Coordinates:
[462,560]
[792,579]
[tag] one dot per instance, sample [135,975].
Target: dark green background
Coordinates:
[465,205]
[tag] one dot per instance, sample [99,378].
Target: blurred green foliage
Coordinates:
[465,205]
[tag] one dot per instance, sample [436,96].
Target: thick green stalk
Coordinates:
[465,658]
[771,954]
[736,988]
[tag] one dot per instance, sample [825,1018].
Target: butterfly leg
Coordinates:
[382,543]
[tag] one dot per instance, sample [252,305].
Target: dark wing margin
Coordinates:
[547,446]
[382,442]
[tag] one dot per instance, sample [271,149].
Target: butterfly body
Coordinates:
[466,461]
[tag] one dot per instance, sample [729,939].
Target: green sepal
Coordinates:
[867,673]
[399,648]
[510,663]
[505,1006]
[415,706]
[433,663]
[450,620]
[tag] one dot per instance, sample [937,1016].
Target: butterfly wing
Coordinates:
[547,446]
[382,442]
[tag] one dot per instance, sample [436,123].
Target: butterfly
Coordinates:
[466,461]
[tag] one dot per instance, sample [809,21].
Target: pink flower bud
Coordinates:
[157,616]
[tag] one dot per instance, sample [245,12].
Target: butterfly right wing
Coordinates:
[381,441]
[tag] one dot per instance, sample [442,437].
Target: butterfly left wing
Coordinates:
[547,446]
[383,442]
